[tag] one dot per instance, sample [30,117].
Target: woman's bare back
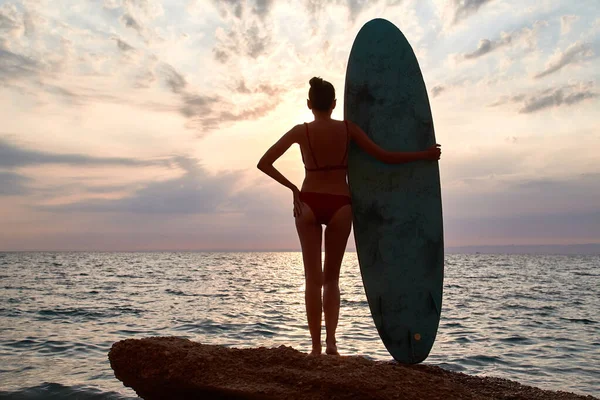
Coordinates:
[324,148]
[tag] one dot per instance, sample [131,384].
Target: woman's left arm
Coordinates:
[266,162]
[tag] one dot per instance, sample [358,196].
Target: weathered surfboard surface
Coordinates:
[397,208]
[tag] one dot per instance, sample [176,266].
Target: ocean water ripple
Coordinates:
[533,319]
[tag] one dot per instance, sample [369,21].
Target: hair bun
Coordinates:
[321,94]
[316,82]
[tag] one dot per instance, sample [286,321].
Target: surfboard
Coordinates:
[397,208]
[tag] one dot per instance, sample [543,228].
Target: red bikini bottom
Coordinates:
[324,205]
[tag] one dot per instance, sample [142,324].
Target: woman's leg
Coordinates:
[310,234]
[336,238]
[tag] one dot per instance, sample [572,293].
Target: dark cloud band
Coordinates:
[575,53]
[549,98]
[12,156]
[466,8]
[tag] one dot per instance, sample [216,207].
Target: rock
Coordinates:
[175,368]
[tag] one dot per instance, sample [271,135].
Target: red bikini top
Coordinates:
[327,167]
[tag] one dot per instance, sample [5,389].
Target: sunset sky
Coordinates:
[137,124]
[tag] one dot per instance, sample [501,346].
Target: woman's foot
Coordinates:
[316,351]
[332,349]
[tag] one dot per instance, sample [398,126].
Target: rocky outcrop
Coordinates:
[175,368]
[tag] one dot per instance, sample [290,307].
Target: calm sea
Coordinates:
[534,319]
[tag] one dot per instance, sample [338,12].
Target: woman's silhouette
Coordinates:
[325,200]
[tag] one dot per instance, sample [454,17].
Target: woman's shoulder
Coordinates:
[318,126]
[338,122]
[297,128]
[296,132]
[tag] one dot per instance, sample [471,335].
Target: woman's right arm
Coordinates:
[391,157]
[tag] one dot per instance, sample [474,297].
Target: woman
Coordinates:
[325,200]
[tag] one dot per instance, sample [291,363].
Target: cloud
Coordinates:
[222,112]
[192,105]
[198,106]
[269,90]
[247,33]
[511,193]
[575,53]
[524,228]
[30,22]
[34,76]
[227,116]
[486,46]
[526,36]
[507,99]
[437,90]
[313,6]
[15,23]
[240,8]
[566,22]
[256,42]
[263,88]
[42,69]
[465,8]
[196,191]
[129,21]
[262,8]
[15,66]
[124,46]
[38,61]
[242,88]
[355,7]
[12,156]
[173,79]
[150,9]
[555,99]
[585,182]
[235,7]
[221,55]
[13,184]
[111,4]
[443,88]
[209,111]
[11,24]
[549,98]
[247,38]
[137,13]
[144,79]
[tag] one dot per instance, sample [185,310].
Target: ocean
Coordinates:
[530,318]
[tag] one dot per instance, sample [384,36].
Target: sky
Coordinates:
[137,124]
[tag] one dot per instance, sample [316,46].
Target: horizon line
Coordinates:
[267,250]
